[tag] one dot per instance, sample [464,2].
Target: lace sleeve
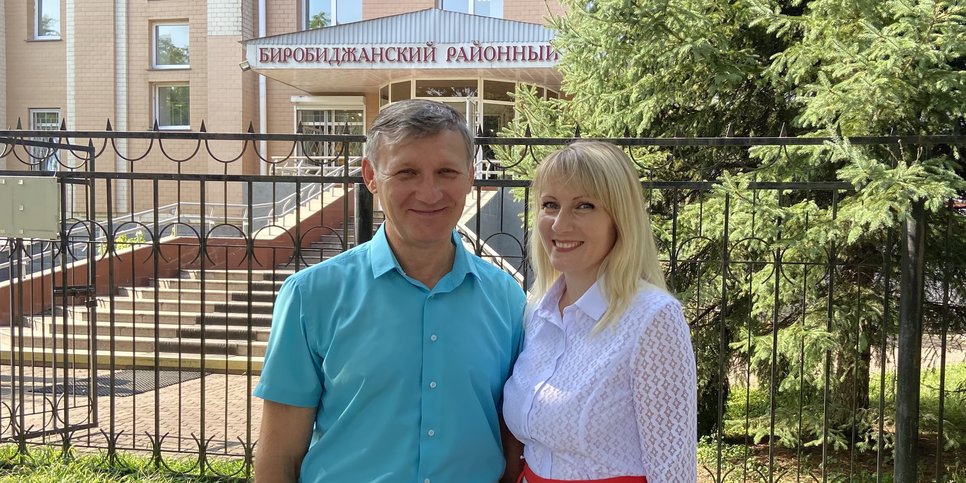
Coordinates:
[665,398]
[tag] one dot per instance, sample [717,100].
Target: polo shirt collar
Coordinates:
[384,260]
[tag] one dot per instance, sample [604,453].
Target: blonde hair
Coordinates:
[602,171]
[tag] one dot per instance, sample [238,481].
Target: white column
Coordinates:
[120,121]
[70,115]
[3,72]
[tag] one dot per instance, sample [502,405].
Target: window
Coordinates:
[329,120]
[172,108]
[47,19]
[171,46]
[487,8]
[446,88]
[326,13]
[44,159]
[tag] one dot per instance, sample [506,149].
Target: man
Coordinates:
[387,362]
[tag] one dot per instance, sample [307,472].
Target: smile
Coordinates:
[562,245]
[429,212]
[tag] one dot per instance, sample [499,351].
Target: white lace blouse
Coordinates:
[622,402]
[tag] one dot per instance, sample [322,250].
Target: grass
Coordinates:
[48,465]
[843,462]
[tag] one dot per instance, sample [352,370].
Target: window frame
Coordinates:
[156,101]
[329,104]
[471,9]
[38,17]
[51,161]
[333,7]
[154,45]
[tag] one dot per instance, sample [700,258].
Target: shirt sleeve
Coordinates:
[291,372]
[665,398]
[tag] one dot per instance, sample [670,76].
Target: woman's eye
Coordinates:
[549,205]
[585,206]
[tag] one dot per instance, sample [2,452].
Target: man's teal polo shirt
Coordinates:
[407,381]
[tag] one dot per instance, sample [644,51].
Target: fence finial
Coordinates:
[109,127]
[63,124]
[783,132]
[19,124]
[251,127]
[577,131]
[203,128]
[627,131]
[156,127]
[527,133]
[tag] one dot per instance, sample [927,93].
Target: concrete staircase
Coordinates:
[217,320]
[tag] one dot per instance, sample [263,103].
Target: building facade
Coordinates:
[322,66]
[171,64]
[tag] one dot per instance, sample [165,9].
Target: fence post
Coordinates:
[363,213]
[910,345]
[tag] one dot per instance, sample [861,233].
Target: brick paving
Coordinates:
[219,403]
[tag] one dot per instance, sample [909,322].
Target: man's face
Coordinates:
[422,186]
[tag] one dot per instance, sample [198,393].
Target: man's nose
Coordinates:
[429,190]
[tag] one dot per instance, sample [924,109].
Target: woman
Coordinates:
[605,388]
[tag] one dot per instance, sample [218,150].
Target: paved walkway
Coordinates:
[220,404]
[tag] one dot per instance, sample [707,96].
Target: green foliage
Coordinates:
[48,27]
[807,284]
[318,20]
[171,54]
[747,412]
[121,242]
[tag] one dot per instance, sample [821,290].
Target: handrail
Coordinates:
[490,253]
[175,212]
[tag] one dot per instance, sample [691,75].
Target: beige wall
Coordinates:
[533,11]
[384,8]
[221,95]
[38,79]
[94,80]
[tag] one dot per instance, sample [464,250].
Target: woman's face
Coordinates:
[575,230]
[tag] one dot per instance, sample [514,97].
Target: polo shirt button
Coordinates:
[426,480]
[432,385]
[433,337]
[431,433]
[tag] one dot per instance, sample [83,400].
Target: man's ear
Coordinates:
[369,175]
[472,177]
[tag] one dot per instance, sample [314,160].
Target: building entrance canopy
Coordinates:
[426,43]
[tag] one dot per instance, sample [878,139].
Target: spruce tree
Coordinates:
[821,68]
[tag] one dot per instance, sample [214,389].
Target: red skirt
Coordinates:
[533,478]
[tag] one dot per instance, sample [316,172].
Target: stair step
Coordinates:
[196,274]
[141,344]
[79,314]
[126,329]
[211,294]
[231,285]
[235,319]
[241,307]
[80,358]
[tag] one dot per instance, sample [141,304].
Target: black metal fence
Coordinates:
[141,327]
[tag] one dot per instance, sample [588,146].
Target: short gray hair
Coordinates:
[413,119]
